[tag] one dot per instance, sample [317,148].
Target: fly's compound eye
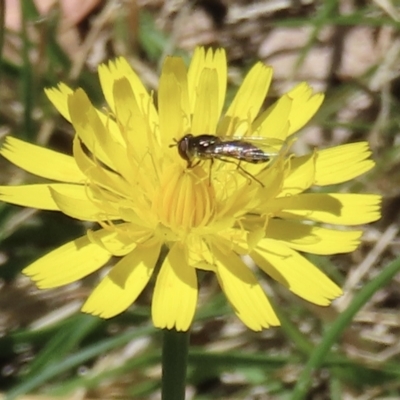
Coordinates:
[184,147]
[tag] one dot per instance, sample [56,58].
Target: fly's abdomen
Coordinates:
[239,150]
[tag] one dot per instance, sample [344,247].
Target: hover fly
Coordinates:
[194,149]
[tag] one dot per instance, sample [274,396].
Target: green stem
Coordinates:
[174,364]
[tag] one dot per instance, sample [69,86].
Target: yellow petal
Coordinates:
[247,102]
[243,291]
[134,126]
[342,163]
[118,69]
[59,97]
[79,205]
[41,161]
[213,60]
[199,254]
[312,239]
[68,263]
[37,196]
[173,100]
[125,238]
[96,173]
[273,122]
[305,105]
[124,283]
[175,292]
[333,208]
[301,175]
[93,132]
[295,272]
[205,115]
[197,65]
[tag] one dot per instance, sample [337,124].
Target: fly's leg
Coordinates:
[210,171]
[190,165]
[243,171]
[248,174]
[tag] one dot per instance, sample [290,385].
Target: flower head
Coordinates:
[126,174]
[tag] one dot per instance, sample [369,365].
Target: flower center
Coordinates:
[185,199]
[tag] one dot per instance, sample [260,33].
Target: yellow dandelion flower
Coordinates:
[126,174]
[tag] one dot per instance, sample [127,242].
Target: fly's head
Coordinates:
[186,149]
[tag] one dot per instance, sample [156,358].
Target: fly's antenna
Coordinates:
[174,144]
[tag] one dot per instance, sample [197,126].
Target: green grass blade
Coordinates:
[342,322]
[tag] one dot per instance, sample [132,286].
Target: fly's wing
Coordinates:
[270,146]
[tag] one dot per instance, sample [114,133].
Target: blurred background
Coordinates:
[349,49]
